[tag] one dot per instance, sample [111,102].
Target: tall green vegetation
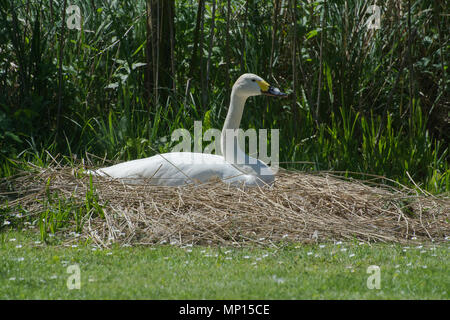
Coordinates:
[369,101]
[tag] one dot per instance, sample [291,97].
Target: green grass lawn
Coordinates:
[31,270]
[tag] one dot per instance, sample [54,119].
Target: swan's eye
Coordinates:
[253,80]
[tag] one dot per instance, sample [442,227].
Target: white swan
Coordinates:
[180,168]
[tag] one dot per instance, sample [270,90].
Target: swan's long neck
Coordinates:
[235,111]
[233,118]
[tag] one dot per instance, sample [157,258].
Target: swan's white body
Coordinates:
[180,168]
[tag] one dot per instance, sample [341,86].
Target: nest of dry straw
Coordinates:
[300,207]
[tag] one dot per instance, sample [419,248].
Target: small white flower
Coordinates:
[12,239]
[344,249]
[419,247]
[189,250]
[397,266]
[265,255]
[309,253]
[228,258]
[54,276]
[322,246]
[109,253]
[21,259]
[351,255]
[277,280]
[12,279]
[6,223]
[246,257]
[413,238]
[19,246]
[424,267]
[37,242]
[339,242]
[74,246]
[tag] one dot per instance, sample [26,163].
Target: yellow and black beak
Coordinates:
[268,90]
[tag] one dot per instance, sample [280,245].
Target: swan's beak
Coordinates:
[268,90]
[274,92]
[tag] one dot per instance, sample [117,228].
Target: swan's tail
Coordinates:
[95,173]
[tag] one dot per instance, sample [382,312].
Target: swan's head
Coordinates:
[250,84]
